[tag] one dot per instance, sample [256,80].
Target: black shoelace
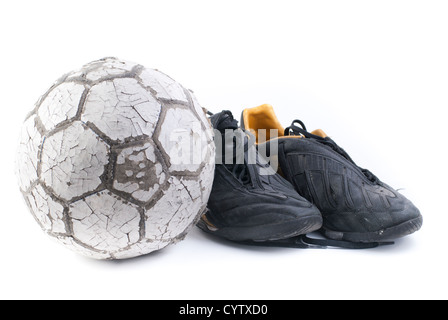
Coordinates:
[225,121]
[294,129]
[241,171]
[306,242]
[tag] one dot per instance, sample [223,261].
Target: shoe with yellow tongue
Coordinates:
[356,206]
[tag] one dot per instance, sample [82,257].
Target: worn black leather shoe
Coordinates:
[356,206]
[249,201]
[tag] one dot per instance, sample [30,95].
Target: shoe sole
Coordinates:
[392,233]
[270,232]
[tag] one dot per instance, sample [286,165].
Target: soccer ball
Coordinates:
[116,160]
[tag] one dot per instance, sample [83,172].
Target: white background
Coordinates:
[372,74]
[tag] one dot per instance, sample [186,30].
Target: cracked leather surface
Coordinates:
[95,161]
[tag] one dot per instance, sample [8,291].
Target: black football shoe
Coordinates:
[250,201]
[356,206]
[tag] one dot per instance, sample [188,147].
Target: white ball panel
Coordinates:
[174,212]
[183,140]
[105,222]
[122,109]
[27,154]
[140,248]
[107,68]
[207,176]
[48,212]
[61,104]
[71,244]
[73,161]
[164,86]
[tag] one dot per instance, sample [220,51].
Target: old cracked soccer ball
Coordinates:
[116,160]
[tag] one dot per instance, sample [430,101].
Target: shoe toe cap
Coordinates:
[273,213]
[264,221]
[410,212]
[277,221]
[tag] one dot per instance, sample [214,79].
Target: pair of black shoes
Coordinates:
[316,186]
